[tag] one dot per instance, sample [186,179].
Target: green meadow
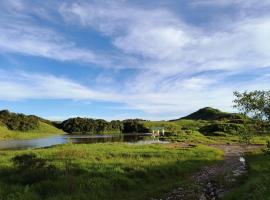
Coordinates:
[130,171]
[102,171]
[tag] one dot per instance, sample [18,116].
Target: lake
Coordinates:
[77,139]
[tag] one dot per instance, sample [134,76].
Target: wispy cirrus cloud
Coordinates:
[190,95]
[176,65]
[19,85]
[166,43]
[20,33]
[174,52]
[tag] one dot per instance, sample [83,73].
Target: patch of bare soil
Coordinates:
[212,182]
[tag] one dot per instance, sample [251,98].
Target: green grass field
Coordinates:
[256,185]
[103,171]
[43,131]
[118,171]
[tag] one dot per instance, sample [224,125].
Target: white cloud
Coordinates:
[158,42]
[22,85]
[169,56]
[242,3]
[165,41]
[30,40]
[194,94]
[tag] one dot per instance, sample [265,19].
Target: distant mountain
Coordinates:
[209,113]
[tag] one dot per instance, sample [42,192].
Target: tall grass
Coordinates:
[106,171]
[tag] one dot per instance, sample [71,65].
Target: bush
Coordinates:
[267,149]
[28,161]
[227,128]
[31,169]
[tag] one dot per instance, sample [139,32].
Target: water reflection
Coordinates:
[77,139]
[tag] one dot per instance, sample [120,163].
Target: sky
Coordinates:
[118,59]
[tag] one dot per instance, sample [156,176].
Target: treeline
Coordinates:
[100,126]
[19,122]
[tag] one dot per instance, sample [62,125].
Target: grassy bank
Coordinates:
[197,137]
[257,183]
[43,130]
[102,171]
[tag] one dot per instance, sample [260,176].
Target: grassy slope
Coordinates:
[108,171]
[209,113]
[187,131]
[43,131]
[257,184]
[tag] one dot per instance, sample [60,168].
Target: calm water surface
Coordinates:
[77,139]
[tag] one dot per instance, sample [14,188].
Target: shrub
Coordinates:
[28,161]
[31,169]
[267,150]
[229,128]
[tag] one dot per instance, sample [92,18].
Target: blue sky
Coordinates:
[130,58]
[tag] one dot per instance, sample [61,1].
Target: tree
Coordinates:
[255,104]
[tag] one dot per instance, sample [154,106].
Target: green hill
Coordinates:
[209,113]
[20,126]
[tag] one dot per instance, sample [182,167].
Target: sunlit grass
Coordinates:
[111,171]
[43,131]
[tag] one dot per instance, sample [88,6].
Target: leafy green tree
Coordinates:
[255,104]
[134,126]
[91,126]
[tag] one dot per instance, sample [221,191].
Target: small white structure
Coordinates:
[157,130]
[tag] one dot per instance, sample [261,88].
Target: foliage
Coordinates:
[134,126]
[28,161]
[267,149]
[91,126]
[43,130]
[18,122]
[31,169]
[255,103]
[99,126]
[229,128]
[245,137]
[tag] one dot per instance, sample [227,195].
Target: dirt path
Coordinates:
[214,181]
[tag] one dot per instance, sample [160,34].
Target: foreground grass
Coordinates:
[103,171]
[257,183]
[44,130]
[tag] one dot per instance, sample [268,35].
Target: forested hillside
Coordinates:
[100,126]
[20,126]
